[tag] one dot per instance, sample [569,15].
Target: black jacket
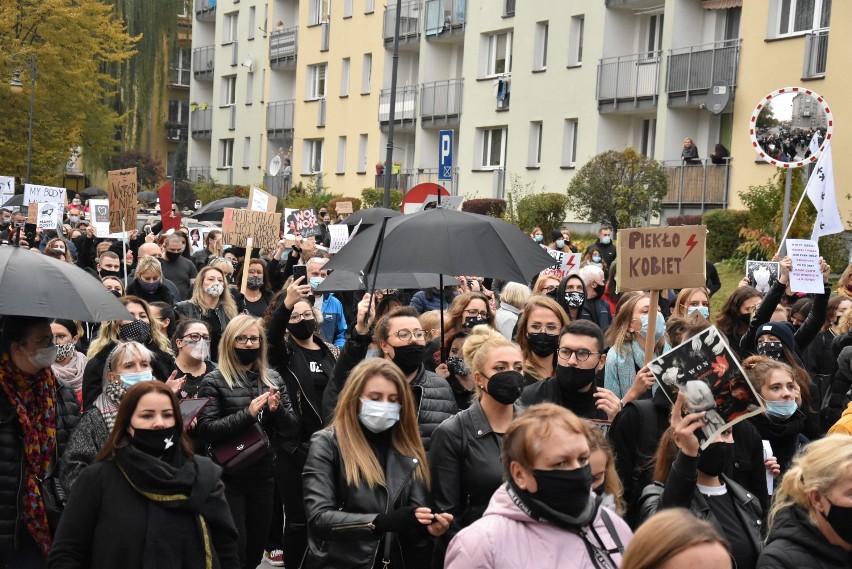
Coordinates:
[548,391]
[93,375]
[340,515]
[807,332]
[162,294]
[796,543]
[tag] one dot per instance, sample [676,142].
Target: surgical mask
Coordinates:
[539,238]
[378,416]
[781,409]
[774,350]
[149,286]
[840,520]
[409,357]
[64,350]
[566,491]
[303,329]
[713,459]
[43,358]
[573,378]
[315,282]
[215,289]
[200,350]
[658,331]
[6,221]
[596,258]
[254,283]
[505,387]
[575,299]
[606,240]
[702,310]
[131,379]
[373,354]
[457,366]
[155,442]
[543,344]
[74,218]
[560,243]
[136,331]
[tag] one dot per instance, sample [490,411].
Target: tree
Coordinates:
[766,118]
[546,211]
[618,188]
[149,169]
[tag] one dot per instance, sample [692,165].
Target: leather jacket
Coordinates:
[340,515]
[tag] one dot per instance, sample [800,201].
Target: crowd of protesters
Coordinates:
[526,432]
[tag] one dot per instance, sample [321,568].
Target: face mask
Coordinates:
[596,258]
[6,221]
[658,331]
[575,299]
[543,344]
[600,290]
[606,240]
[247,355]
[378,416]
[774,350]
[115,390]
[702,310]
[744,319]
[573,379]
[409,357]
[373,354]
[315,282]
[781,409]
[471,321]
[715,457]
[172,256]
[552,294]
[303,329]
[105,273]
[149,286]
[840,520]
[155,442]
[215,289]
[136,331]
[116,293]
[200,350]
[64,350]
[254,283]
[131,379]
[560,243]
[43,358]
[457,366]
[74,219]
[505,387]
[539,238]
[566,491]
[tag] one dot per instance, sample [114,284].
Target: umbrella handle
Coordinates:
[374,267]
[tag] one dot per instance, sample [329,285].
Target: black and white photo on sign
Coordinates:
[762,274]
[712,381]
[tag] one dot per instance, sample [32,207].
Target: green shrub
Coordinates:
[835,250]
[546,211]
[374,197]
[723,232]
[486,206]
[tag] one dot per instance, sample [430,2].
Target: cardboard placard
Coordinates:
[303,221]
[7,188]
[654,258]
[806,275]
[240,224]
[122,187]
[343,207]
[762,274]
[32,213]
[259,200]
[43,194]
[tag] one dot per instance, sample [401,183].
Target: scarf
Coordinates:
[108,401]
[34,400]
[783,434]
[71,375]
[172,490]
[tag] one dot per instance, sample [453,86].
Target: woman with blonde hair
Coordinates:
[147,283]
[691,300]
[366,478]
[513,298]
[211,302]
[844,283]
[674,539]
[810,523]
[538,329]
[605,480]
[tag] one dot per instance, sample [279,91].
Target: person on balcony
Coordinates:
[689,154]
[720,155]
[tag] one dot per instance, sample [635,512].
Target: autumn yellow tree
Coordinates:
[74,43]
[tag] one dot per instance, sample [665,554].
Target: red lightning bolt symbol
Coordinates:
[692,243]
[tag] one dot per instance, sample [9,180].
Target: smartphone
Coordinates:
[300,271]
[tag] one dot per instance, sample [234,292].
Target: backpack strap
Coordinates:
[610,527]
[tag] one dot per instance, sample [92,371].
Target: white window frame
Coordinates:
[182,63]
[369,6]
[252,18]
[229,90]
[341,155]
[490,44]
[487,143]
[535,142]
[366,73]
[575,40]
[247,152]
[317,81]
[569,143]
[226,153]
[777,18]
[540,48]
[313,156]
[230,30]
[171,163]
[653,34]
[345,71]
[182,107]
[347,8]
[319,11]
[249,88]
[362,153]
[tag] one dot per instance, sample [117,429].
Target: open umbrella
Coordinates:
[370,216]
[345,280]
[32,284]
[215,210]
[446,242]
[147,196]
[15,201]
[93,192]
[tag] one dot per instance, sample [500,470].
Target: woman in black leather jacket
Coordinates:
[465,454]
[366,479]
[242,392]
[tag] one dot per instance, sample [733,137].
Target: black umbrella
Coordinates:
[370,216]
[345,280]
[215,210]
[32,284]
[15,201]
[447,242]
[93,192]
[147,196]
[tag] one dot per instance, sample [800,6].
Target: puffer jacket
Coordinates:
[507,538]
[227,413]
[340,515]
[189,310]
[844,425]
[796,543]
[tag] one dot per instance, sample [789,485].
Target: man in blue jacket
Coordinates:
[333,326]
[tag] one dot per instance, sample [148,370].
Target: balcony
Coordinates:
[205,10]
[694,70]
[278,185]
[405,107]
[407,178]
[700,186]
[176,131]
[279,118]
[440,102]
[201,123]
[445,19]
[409,24]
[196,173]
[628,82]
[204,62]
[283,48]
[816,53]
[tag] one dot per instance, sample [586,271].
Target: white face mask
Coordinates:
[44,357]
[200,350]
[378,416]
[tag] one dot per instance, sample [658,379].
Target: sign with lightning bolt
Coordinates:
[661,258]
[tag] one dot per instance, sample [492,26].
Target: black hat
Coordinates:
[555,234]
[781,330]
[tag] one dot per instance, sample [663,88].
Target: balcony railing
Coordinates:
[176,131]
[407,178]
[196,173]
[816,53]
[205,9]
[201,123]
[441,100]
[409,23]
[279,117]
[179,77]
[405,108]
[278,185]
[700,185]
[696,68]
[443,16]
[204,62]
[629,78]
[283,47]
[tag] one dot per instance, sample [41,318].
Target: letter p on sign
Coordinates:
[445,155]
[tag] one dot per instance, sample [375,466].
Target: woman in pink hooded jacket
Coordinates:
[545,515]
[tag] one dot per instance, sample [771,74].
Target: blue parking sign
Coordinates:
[445,155]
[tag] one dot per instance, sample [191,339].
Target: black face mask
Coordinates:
[840,520]
[713,460]
[254,283]
[303,329]
[566,491]
[600,290]
[575,299]
[408,358]
[172,256]
[774,350]
[573,378]
[505,387]
[744,319]
[116,293]
[105,273]
[472,321]
[247,355]
[136,331]
[156,442]
[543,344]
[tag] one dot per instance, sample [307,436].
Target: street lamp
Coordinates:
[16,87]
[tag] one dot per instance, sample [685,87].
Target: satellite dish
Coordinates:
[248,62]
[275,166]
[718,97]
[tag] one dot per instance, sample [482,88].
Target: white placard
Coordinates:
[339,236]
[770,481]
[447,202]
[7,188]
[806,275]
[99,215]
[43,194]
[568,262]
[49,215]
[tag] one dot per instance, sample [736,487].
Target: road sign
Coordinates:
[445,155]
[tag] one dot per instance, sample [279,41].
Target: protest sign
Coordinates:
[99,210]
[806,275]
[762,274]
[32,213]
[49,215]
[303,221]
[657,258]
[565,262]
[169,218]
[343,207]
[339,237]
[7,188]
[262,226]
[261,201]
[712,381]
[121,188]
[43,194]
[447,202]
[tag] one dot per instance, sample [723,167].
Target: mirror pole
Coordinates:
[785,219]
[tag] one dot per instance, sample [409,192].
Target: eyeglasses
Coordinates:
[406,335]
[44,342]
[551,329]
[299,316]
[474,312]
[196,337]
[244,340]
[581,354]
[548,289]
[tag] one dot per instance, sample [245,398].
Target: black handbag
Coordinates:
[53,496]
[237,452]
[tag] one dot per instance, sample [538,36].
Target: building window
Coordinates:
[534,154]
[362,153]
[575,40]
[369,6]
[649,137]
[654,35]
[540,54]
[226,153]
[797,16]
[249,88]
[347,8]
[508,8]
[493,142]
[178,112]
[229,90]
[312,162]
[344,77]
[252,16]
[316,81]
[366,73]
[497,54]
[247,152]
[569,143]
[180,70]
[171,164]
[229,27]
[341,154]
[318,12]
